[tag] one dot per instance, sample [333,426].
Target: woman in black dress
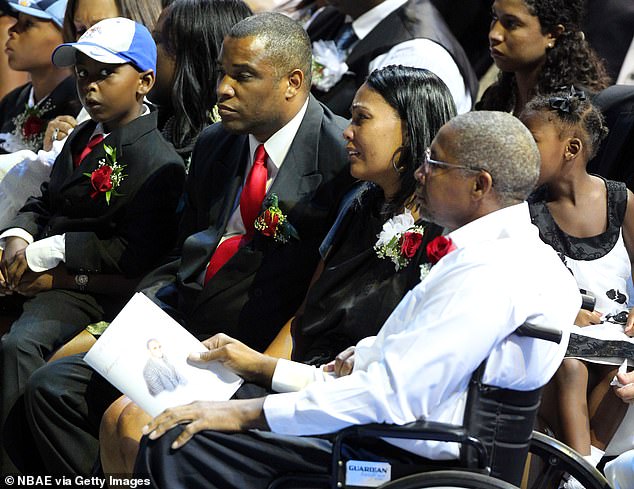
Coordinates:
[395,116]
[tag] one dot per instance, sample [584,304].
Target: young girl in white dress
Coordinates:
[589,221]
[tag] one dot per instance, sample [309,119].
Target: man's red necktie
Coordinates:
[250,205]
[92,142]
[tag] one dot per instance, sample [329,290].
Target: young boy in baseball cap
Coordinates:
[105,218]
[115,64]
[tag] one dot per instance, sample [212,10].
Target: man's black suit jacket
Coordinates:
[615,159]
[262,286]
[139,226]
[416,19]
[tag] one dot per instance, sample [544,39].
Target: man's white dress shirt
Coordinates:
[465,310]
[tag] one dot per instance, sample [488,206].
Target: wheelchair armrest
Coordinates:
[540,332]
[417,430]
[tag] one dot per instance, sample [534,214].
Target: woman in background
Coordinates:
[539,47]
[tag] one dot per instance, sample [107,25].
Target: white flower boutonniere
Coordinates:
[328,65]
[399,240]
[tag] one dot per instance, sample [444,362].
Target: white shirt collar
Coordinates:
[499,224]
[366,22]
[100,130]
[278,144]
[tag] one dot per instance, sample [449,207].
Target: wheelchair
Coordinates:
[495,439]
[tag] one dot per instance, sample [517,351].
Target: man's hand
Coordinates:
[33,283]
[58,129]
[237,357]
[236,415]
[343,363]
[626,393]
[586,318]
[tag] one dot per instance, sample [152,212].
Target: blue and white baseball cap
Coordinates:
[42,9]
[116,41]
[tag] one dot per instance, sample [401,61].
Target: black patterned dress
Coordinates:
[357,290]
[602,268]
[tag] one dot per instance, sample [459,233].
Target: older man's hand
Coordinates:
[236,415]
[237,357]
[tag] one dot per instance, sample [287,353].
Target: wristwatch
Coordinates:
[81,281]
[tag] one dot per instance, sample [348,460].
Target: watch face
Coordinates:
[81,280]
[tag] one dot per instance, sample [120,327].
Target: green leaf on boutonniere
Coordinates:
[273,223]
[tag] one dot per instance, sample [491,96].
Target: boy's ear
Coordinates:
[574,146]
[146,82]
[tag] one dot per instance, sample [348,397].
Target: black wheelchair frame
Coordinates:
[495,439]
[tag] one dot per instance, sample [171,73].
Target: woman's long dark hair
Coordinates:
[144,12]
[191,33]
[571,61]
[424,104]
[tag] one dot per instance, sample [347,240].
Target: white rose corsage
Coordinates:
[328,65]
[399,240]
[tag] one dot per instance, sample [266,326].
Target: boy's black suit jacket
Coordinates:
[262,286]
[139,226]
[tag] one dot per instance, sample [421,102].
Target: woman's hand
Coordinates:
[237,357]
[57,129]
[626,392]
[586,318]
[343,363]
[629,324]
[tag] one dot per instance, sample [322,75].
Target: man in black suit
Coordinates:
[263,98]
[384,32]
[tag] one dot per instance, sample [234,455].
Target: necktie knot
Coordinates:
[260,155]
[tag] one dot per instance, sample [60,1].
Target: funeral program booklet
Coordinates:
[143,353]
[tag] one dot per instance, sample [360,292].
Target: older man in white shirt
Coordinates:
[496,275]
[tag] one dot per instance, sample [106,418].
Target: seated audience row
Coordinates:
[227,276]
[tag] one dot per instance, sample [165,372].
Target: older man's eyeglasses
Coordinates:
[429,163]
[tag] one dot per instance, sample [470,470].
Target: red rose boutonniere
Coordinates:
[108,176]
[399,240]
[273,223]
[436,249]
[439,247]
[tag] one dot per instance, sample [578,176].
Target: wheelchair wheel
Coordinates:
[448,479]
[558,459]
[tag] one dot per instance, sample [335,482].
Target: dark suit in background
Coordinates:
[615,159]
[609,28]
[415,19]
[124,238]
